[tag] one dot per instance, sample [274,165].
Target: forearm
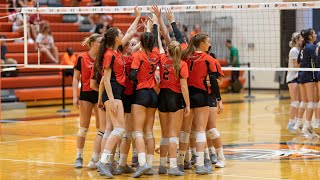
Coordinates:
[185,93]
[108,89]
[75,84]
[177,32]
[155,33]
[164,31]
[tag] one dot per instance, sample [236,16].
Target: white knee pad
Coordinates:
[295,104]
[148,135]
[127,135]
[315,105]
[318,106]
[100,133]
[193,135]
[174,140]
[303,105]
[118,132]
[82,132]
[106,134]
[310,105]
[184,137]
[164,142]
[213,134]
[136,134]
[201,137]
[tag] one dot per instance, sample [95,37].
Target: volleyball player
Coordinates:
[173,98]
[292,80]
[127,100]
[88,98]
[308,79]
[199,64]
[143,68]
[214,152]
[111,62]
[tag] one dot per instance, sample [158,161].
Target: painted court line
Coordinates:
[253,177]
[38,162]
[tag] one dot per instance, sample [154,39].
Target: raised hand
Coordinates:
[170,15]
[137,11]
[155,10]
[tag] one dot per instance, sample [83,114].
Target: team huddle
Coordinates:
[304,85]
[121,84]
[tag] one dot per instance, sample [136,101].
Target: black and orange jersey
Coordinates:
[113,60]
[167,75]
[129,84]
[199,64]
[217,74]
[146,63]
[84,64]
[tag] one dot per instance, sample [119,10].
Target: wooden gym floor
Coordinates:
[37,143]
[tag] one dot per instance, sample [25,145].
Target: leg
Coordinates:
[48,54]
[85,112]
[97,142]
[309,112]
[149,139]
[201,116]
[293,90]
[164,142]
[302,108]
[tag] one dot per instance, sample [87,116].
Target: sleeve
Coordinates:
[313,53]
[51,39]
[108,60]
[294,53]
[136,62]
[77,65]
[155,33]
[212,65]
[184,71]
[215,87]
[92,74]
[177,33]
[219,69]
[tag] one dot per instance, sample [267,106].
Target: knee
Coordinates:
[148,135]
[137,134]
[174,140]
[213,133]
[184,137]
[201,137]
[82,132]
[106,134]
[310,105]
[164,142]
[118,132]
[295,104]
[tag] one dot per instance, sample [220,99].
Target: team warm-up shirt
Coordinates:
[167,76]
[129,84]
[147,65]
[199,63]
[113,60]
[84,64]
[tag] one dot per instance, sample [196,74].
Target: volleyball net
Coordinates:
[260,31]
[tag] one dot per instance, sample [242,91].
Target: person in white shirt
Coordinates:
[46,45]
[292,81]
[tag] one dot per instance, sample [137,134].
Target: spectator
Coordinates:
[6,61]
[17,26]
[196,30]
[46,45]
[236,86]
[69,58]
[36,22]
[102,25]
[16,5]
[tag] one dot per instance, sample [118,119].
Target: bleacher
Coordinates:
[45,84]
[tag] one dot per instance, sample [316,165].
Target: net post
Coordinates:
[249,96]
[279,95]
[25,36]
[63,110]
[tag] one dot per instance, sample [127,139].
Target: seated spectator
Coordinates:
[16,5]
[46,45]
[9,62]
[102,26]
[17,26]
[36,22]
[69,58]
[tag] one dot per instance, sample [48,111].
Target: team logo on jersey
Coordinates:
[281,151]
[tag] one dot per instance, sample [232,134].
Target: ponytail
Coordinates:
[194,43]
[91,39]
[175,53]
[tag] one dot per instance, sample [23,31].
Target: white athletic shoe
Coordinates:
[221,163]
[290,126]
[316,128]
[298,127]
[92,164]
[307,132]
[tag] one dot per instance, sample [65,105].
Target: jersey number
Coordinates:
[152,68]
[166,74]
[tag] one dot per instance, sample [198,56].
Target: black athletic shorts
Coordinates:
[127,101]
[147,98]
[170,101]
[198,97]
[117,90]
[293,81]
[89,96]
[307,76]
[212,100]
